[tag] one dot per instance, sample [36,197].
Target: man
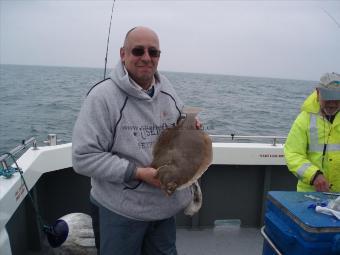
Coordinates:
[312,149]
[117,126]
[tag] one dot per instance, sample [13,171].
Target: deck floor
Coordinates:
[219,240]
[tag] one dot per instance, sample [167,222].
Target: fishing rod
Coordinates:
[108,39]
[331,17]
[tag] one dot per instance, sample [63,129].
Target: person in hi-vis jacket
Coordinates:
[312,148]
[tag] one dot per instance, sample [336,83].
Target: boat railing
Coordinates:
[17,150]
[25,144]
[250,138]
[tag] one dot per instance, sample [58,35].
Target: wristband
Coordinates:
[317,173]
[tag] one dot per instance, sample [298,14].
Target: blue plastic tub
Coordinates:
[296,229]
[267,249]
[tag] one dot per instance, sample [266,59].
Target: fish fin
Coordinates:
[196,203]
[191,110]
[189,119]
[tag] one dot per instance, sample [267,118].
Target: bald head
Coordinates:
[137,32]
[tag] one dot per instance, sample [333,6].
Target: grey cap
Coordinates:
[329,86]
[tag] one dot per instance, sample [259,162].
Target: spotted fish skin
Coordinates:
[182,154]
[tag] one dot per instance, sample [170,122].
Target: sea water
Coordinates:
[40,100]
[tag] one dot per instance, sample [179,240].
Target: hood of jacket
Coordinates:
[121,78]
[311,104]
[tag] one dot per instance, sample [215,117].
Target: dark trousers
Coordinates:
[123,236]
[94,209]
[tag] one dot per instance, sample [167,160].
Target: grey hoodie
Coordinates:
[116,129]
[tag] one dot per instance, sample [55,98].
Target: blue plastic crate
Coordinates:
[267,249]
[296,229]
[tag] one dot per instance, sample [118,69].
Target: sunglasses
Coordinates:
[138,52]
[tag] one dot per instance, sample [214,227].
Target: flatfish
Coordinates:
[182,153]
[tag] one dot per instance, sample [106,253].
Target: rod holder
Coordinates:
[52,140]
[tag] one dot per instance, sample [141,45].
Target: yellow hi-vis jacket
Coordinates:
[305,144]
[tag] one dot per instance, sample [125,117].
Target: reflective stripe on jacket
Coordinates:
[305,144]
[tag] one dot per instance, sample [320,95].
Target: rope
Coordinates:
[41,223]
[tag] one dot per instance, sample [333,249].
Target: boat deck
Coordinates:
[219,240]
[234,195]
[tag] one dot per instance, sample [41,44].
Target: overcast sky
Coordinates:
[284,39]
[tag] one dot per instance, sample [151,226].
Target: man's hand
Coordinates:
[198,124]
[148,175]
[321,184]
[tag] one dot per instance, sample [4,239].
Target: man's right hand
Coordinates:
[148,175]
[321,184]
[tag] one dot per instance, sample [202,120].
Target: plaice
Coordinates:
[182,153]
